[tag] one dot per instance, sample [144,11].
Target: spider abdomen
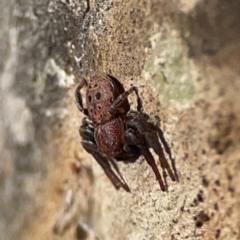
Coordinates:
[108,137]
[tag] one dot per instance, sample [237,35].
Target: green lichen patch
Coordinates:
[169,68]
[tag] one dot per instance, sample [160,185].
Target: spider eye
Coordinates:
[98,95]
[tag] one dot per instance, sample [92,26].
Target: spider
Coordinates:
[112,132]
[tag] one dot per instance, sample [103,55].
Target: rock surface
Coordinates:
[184,57]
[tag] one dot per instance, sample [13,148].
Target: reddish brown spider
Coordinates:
[112,132]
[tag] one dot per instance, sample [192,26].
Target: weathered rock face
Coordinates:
[184,58]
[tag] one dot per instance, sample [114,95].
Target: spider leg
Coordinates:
[115,166]
[132,138]
[87,122]
[167,149]
[90,146]
[103,162]
[153,142]
[147,154]
[110,173]
[78,97]
[116,106]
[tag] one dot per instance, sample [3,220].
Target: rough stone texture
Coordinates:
[182,55]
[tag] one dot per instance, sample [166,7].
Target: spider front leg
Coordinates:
[152,137]
[145,135]
[117,105]
[153,142]
[103,162]
[78,97]
[168,151]
[131,138]
[88,143]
